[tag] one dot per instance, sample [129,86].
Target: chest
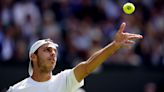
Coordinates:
[51,87]
[41,89]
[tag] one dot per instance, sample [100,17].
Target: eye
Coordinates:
[49,49]
[46,49]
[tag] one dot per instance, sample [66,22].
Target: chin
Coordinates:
[52,68]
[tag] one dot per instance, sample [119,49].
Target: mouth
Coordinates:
[52,60]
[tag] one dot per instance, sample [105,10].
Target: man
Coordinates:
[43,56]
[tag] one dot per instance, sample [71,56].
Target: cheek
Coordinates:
[42,61]
[44,56]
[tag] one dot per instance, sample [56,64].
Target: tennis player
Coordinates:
[43,57]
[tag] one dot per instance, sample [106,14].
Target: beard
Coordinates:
[44,68]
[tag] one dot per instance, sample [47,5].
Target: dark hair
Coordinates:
[36,52]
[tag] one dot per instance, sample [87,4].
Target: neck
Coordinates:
[41,77]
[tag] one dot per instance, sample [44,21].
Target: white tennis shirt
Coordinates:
[62,82]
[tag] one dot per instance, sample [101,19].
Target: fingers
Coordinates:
[126,38]
[132,36]
[122,27]
[135,37]
[128,42]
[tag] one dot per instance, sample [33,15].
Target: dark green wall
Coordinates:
[113,79]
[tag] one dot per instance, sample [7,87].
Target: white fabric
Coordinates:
[62,82]
[39,43]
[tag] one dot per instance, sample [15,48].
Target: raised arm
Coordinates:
[121,39]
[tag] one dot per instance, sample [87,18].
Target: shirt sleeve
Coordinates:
[71,81]
[9,90]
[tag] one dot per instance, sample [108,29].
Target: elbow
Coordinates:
[85,68]
[82,70]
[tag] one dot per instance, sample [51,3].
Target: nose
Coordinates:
[53,52]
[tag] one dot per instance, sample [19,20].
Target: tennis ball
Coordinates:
[128,8]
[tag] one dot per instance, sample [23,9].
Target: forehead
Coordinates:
[47,45]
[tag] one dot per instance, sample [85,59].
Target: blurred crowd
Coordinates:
[81,27]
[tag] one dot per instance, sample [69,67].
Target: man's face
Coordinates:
[46,58]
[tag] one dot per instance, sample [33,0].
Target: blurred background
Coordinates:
[81,27]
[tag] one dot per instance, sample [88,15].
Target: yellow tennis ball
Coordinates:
[128,8]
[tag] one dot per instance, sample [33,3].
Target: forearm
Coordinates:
[100,56]
[121,39]
[85,68]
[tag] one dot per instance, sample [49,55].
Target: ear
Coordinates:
[33,57]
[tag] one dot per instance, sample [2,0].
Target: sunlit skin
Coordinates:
[44,62]
[122,39]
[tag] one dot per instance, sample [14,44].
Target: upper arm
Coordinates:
[80,71]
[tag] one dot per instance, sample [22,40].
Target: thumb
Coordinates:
[122,27]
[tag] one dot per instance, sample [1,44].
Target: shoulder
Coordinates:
[19,85]
[68,75]
[65,73]
[68,78]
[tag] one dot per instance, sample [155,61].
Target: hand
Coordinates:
[125,39]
